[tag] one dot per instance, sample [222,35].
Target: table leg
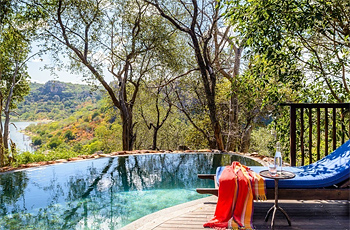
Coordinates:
[274,209]
[268,213]
[273,218]
[286,215]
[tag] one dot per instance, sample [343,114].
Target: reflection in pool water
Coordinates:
[106,193]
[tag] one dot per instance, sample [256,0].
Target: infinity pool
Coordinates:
[106,193]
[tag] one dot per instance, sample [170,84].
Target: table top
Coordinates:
[279,175]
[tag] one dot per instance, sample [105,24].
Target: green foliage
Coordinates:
[54,143]
[263,142]
[59,153]
[69,135]
[16,30]
[299,36]
[36,141]
[54,100]
[94,146]
[79,132]
[298,52]
[274,36]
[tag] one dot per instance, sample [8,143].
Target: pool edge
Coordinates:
[155,219]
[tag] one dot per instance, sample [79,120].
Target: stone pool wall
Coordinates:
[264,160]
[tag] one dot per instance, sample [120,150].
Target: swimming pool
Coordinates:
[105,193]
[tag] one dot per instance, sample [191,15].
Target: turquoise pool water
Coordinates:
[106,193]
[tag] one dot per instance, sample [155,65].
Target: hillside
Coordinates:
[54,100]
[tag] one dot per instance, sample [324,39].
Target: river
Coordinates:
[23,142]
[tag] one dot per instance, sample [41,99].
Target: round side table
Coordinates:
[279,176]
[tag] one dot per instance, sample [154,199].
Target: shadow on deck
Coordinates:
[310,214]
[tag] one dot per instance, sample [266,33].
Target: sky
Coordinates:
[39,74]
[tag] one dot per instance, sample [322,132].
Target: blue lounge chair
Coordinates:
[327,178]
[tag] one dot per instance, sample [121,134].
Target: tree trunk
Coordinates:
[155,135]
[202,54]
[245,141]
[2,153]
[209,82]
[1,136]
[127,136]
[5,134]
[6,131]
[212,143]
[233,134]
[214,120]
[218,136]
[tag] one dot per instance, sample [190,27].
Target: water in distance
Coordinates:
[106,193]
[22,141]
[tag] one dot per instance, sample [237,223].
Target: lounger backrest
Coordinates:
[333,168]
[339,158]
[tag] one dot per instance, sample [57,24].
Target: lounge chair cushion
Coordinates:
[331,170]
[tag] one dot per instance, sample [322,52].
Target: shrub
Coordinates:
[93,147]
[69,135]
[262,141]
[24,158]
[54,143]
[77,147]
[36,141]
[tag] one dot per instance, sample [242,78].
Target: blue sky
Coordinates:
[39,74]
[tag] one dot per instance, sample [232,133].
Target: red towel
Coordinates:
[238,186]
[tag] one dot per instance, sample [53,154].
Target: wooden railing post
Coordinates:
[326,129]
[326,132]
[334,132]
[293,130]
[342,126]
[318,134]
[302,136]
[310,135]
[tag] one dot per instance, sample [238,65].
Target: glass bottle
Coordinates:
[278,158]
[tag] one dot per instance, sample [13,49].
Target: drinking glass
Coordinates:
[273,169]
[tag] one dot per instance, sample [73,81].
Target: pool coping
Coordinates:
[155,219]
[263,160]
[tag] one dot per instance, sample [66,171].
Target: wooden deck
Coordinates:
[311,214]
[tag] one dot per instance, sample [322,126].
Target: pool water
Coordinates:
[105,193]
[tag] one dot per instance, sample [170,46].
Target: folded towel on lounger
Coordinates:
[238,187]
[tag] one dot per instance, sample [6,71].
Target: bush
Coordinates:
[262,142]
[37,141]
[59,153]
[93,147]
[24,158]
[77,147]
[54,143]
[69,135]
[95,114]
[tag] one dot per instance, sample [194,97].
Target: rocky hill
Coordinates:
[54,100]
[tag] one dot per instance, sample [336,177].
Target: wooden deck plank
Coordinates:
[324,214]
[310,215]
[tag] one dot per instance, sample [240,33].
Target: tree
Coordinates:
[313,35]
[15,30]
[189,100]
[120,36]
[197,24]
[159,104]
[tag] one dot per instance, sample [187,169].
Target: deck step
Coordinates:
[289,194]
[296,194]
[206,176]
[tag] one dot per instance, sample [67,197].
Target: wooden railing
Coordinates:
[339,116]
